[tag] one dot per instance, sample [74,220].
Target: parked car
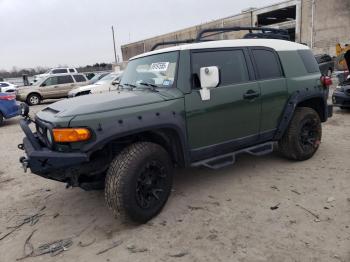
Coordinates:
[9,107]
[326,64]
[6,87]
[341,95]
[55,71]
[200,104]
[98,77]
[106,84]
[52,86]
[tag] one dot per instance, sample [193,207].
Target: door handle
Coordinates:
[55,86]
[251,94]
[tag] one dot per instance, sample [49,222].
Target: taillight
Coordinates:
[326,81]
[8,97]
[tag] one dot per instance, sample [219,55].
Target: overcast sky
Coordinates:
[78,32]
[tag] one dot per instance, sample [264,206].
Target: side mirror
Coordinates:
[209,78]
[115,82]
[43,84]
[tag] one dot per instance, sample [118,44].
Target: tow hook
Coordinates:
[24,162]
[21,146]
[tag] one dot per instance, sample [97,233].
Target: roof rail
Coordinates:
[186,41]
[265,32]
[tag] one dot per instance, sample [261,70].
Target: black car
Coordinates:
[326,64]
[341,95]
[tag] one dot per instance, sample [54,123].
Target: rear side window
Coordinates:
[231,63]
[59,71]
[267,64]
[79,78]
[71,70]
[309,61]
[65,79]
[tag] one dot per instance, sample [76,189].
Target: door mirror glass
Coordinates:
[209,78]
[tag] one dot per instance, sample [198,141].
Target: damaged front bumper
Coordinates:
[44,162]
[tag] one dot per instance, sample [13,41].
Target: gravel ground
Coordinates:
[220,215]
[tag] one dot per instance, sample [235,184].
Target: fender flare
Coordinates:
[145,122]
[292,103]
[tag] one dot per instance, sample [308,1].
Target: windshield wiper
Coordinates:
[152,86]
[127,84]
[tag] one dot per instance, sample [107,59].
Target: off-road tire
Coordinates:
[33,97]
[291,145]
[1,119]
[123,178]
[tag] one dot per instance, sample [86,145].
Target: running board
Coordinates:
[230,158]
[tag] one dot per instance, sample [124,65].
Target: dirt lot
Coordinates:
[220,215]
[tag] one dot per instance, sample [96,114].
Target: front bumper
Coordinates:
[47,163]
[341,99]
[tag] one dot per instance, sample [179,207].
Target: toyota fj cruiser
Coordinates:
[197,104]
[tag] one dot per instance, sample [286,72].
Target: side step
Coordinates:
[230,158]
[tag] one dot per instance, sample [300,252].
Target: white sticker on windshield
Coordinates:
[159,67]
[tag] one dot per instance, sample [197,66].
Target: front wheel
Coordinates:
[33,99]
[303,136]
[139,181]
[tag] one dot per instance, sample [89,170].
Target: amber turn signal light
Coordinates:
[67,135]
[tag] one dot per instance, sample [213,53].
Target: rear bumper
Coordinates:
[47,163]
[341,99]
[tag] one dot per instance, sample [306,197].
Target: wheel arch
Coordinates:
[34,93]
[316,103]
[168,137]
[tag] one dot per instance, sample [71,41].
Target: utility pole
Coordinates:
[115,51]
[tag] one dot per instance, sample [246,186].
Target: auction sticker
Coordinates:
[159,67]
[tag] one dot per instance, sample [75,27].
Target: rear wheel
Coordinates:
[303,136]
[33,99]
[139,181]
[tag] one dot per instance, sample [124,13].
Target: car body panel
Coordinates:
[9,108]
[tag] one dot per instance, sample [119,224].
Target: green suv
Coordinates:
[197,104]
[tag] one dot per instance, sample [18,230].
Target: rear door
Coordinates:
[273,88]
[231,117]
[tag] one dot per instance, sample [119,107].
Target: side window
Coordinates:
[4,85]
[71,70]
[79,78]
[65,79]
[59,71]
[231,63]
[309,61]
[267,64]
[51,81]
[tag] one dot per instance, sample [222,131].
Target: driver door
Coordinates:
[231,118]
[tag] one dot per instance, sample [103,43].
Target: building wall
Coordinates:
[331,25]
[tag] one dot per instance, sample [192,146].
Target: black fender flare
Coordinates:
[292,103]
[141,123]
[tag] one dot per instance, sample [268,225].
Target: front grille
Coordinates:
[41,129]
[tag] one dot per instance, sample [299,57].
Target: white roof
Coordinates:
[278,45]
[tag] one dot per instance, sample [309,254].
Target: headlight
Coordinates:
[49,136]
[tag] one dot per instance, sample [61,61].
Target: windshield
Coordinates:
[108,79]
[155,70]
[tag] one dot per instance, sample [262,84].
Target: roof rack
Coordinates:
[186,41]
[264,32]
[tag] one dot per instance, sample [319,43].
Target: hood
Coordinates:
[83,88]
[108,101]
